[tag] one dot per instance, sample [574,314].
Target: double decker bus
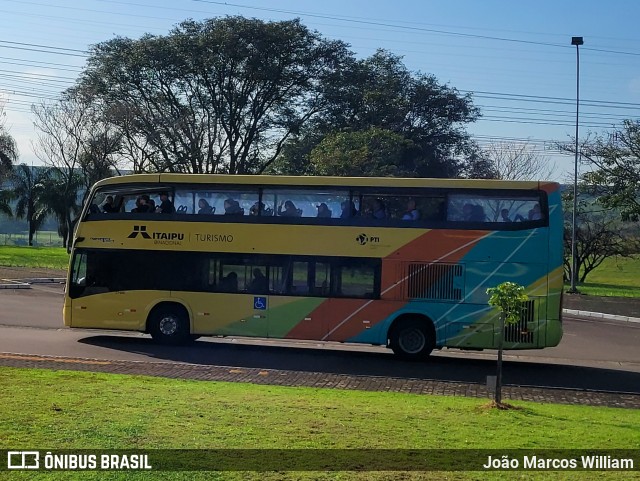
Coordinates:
[402,263]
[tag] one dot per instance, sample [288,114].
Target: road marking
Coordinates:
[54,359]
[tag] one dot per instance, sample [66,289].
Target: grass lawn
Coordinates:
[616,276]
[76,410]
[43,257]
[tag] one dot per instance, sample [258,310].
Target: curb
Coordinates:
[14,284]
[44,280]
[26,282]
[600,315]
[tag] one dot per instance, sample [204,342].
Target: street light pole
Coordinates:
[577,41]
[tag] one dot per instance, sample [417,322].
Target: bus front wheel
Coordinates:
[412,339]
[169,325]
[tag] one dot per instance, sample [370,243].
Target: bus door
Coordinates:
[96,301]
[239,303]
[297,290]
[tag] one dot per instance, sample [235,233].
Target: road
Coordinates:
[595,355]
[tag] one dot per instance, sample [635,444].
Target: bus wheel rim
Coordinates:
[412,340]
[168,326]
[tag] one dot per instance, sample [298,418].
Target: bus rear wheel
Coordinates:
[169,325]
[412,339]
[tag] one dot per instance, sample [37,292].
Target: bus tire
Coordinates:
[412,339]
[170,325]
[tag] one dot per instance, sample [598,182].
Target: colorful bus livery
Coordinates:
[414,279]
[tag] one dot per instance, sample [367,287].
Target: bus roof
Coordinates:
[285,180]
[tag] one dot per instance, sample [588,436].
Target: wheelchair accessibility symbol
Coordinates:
[260,303]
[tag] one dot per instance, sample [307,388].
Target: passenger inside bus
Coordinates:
[378,210]
[229,283]
[166,206]
[473,213]
[259,284]
[288,209]
[478,214]
[109,207]
[412,213]
[205,208]
[535,213]
[142,205]
[260,209]
[232,207]
[323,210]
[348,209]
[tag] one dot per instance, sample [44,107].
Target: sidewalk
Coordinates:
[599,315]
[320,380]
[627,308]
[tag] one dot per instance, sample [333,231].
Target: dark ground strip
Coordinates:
[320,380]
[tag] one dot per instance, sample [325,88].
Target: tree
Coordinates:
[615,159]
[97,160]
[8,149]
[381,93]
[28,189]
[78,144]
[5,198]
[222,95]
[599,235]
[55,196]
[518,161]
[508,297]
[8,152]
[8,156]
[372,152]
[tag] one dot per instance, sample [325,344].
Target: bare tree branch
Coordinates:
[519,161]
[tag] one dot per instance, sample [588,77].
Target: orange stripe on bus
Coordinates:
[344,317]
[438,245]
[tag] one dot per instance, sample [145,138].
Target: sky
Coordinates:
[514,57]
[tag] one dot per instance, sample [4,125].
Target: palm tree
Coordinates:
[28,188]
[5,197]
[60,197]
[8,155]
[8,152]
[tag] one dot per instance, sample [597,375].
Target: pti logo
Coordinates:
[23,460]
[139,229]
[364,239]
